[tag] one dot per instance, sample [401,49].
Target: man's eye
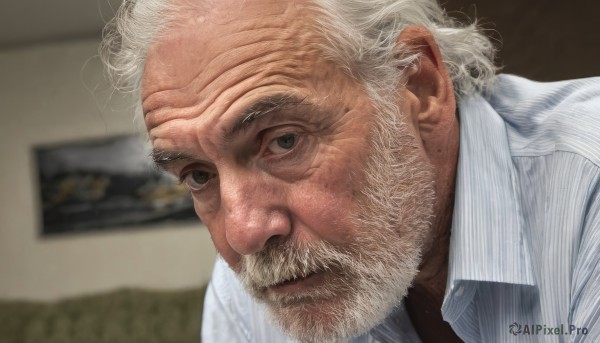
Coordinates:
[196,180]
[282,144]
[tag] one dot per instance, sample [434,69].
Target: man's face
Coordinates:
[316,202]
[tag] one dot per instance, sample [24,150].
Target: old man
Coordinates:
[363,173]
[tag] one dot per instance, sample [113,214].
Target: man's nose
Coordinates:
[254,212]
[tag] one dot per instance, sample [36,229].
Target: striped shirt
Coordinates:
[524,262]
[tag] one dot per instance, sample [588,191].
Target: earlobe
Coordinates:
[428,87]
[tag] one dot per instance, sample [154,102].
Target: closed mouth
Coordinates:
[293,280]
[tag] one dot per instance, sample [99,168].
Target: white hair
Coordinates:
[360,37]
[126,38]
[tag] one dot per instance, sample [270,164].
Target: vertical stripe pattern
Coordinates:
[525,249]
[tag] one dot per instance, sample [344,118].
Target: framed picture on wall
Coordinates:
[108,183]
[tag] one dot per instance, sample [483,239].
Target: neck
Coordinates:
[433,273]
[426,296]
[433,270]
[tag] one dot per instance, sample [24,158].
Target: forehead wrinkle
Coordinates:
[158,105]
[245,30]
[187,102]
[285,34]
[251,66]
[286,75]
[229,58]
[214,107]
[241,65]
[159,56]
[164,114]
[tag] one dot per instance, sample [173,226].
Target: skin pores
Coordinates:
[320,204]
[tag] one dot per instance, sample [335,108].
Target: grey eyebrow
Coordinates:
[264,106]
[164,158]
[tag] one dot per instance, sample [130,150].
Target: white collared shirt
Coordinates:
[524,262]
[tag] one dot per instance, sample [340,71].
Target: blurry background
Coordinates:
[52,91]
[544,40]
[134,284]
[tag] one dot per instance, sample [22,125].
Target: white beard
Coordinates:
[368,277]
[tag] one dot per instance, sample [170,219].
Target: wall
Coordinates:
[544,40]
[52,94]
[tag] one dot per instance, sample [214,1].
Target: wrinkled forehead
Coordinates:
[203,30]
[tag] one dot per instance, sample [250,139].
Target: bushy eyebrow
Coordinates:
[163,159]
[267,105]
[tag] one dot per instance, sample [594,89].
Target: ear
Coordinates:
[428,96]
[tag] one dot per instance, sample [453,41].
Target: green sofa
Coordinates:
[124,316]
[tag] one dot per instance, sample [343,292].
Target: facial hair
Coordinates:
[366,278]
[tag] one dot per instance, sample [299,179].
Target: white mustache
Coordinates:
[289,261]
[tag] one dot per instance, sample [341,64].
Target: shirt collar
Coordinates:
[486,242]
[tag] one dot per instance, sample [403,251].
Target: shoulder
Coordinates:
[231,314]
[546,117]
[225,307]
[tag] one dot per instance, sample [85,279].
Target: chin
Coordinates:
[342,315]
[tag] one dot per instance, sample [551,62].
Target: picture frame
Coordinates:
[106,183]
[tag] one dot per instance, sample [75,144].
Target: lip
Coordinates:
[298,285]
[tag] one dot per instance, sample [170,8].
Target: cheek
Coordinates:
[326,204]
[325,208]
[223,248]
[218,236]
